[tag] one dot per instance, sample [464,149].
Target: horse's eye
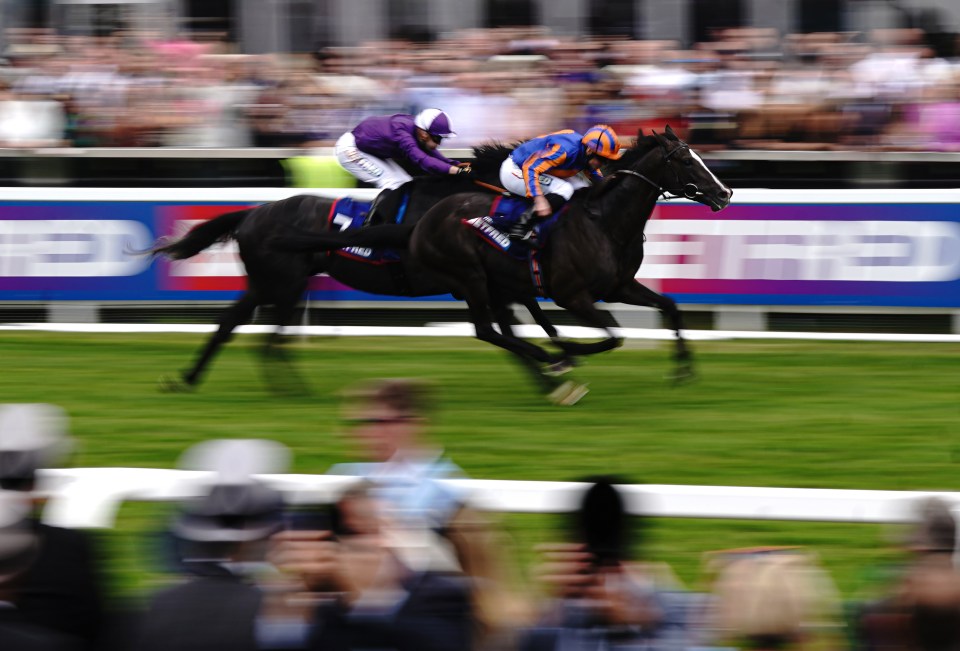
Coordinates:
[688,162]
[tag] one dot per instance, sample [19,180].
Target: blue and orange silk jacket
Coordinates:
[557,154]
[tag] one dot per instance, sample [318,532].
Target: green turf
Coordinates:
[792,414]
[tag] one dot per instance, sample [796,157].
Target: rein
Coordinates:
[689,190]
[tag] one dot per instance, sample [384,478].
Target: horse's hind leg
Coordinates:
[237,314]
[279,371]
[636,294]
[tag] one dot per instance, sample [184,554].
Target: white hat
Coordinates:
[32,436]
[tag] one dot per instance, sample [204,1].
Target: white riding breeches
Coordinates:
[511,176]
[383,173]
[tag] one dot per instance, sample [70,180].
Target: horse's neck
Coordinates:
[625,210]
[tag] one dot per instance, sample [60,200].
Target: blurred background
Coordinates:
[734,77]
[247,97]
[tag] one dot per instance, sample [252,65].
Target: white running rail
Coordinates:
[91,497]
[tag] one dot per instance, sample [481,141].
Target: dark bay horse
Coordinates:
[592,254]
[280,278]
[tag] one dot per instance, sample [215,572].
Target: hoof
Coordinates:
[173,384]
[682,375]
[556,369]
[567,394]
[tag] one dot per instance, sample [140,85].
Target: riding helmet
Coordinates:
[601,140]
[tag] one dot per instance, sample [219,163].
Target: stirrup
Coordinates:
[521,234]
[522,229]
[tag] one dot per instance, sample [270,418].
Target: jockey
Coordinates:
[371,150]
[550,168]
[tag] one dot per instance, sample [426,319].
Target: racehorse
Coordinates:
[280,278]
[592,254]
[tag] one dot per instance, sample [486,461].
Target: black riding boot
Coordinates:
[385,207]
[523,228]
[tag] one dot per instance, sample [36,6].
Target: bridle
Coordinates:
[688,191]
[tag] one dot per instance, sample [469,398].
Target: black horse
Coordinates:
[280,278]
[593,253]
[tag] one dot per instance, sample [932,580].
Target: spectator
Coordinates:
[371,584]
[599,599]
[922,609]
[61,588]
[220,537]
[407,473]
[19,546]
[771,598]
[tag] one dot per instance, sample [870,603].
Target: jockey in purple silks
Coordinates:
[369,152]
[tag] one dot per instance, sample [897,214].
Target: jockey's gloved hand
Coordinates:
[464,169]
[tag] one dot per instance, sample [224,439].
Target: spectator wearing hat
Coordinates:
[19,547]
[220,538]
[60,589]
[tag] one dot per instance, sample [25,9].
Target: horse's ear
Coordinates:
[640,133]
[670,133]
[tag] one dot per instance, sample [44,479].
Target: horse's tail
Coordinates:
[200,236]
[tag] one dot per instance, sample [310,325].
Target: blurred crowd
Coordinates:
[402,560]
[746,88]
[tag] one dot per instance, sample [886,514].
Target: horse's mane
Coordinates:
[489,156]
[642,146]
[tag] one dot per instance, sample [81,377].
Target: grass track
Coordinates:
[795,414]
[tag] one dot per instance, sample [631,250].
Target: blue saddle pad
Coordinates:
[505,212]
[348,214]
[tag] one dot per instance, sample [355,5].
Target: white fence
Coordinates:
[91,497]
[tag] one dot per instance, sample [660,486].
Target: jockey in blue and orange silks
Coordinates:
[550,168]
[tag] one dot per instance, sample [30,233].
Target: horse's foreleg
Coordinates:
[636,294]
[474,291]
[237,314]
[505,319]
[540,317]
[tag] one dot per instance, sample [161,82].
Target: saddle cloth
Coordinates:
[504,213]
[348,214]
[494,226]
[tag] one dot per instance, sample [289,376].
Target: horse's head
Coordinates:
[684,173]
